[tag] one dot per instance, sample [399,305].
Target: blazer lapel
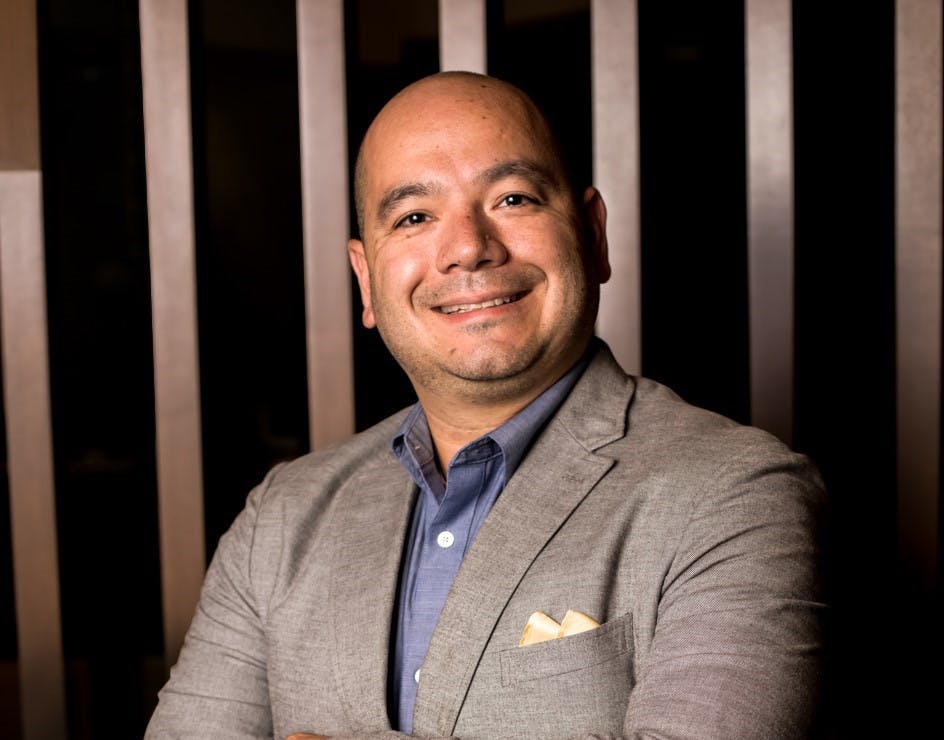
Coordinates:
[369,526]
[554,478]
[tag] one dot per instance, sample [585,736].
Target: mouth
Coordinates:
[457,308]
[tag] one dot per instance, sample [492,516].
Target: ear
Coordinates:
[594,211]
[355,250]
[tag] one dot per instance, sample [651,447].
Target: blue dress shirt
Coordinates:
[445,520]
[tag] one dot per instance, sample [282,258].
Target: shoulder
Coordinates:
[668,427]
[710,480]
[294,495]
[658,416]
[608,407]
[339,462]
[684,452]
[289,511]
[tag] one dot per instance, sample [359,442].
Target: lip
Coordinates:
[471,304]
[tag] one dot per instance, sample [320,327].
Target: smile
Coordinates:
[465,307]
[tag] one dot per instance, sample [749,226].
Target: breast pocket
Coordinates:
[612,641]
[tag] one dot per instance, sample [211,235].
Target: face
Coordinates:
[474,265]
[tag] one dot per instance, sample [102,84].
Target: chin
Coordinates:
[492,364]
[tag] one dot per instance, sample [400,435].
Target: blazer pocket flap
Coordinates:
[568,654]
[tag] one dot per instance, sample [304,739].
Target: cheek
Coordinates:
[394,280]
[559,255]
[569,278]
[548,242]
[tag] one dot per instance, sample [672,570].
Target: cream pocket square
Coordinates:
[541,627]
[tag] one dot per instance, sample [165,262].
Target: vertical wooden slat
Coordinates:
[614,41]
[322,107]
[26,381]
[19,87]
[29,450]
[462,43]
[918,280]
[166,87]
[29,455]
[769,65]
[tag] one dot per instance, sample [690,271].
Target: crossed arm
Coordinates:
[734,653]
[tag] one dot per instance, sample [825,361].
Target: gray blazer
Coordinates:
[691,539]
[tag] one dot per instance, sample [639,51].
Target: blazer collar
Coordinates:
[595,412]
[552,480]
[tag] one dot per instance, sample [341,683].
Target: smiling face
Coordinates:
[473,263]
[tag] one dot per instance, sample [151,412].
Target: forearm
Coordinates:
[737,651]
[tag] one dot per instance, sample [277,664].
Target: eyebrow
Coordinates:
[397,195]
[523,168]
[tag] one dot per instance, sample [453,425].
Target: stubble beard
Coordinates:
[495,372]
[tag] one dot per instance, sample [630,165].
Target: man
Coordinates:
[380,588]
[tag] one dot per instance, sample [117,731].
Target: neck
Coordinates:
[453,424]
[459,414]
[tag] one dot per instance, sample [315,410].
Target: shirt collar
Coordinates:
[413,447]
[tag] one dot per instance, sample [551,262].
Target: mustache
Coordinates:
[456,288]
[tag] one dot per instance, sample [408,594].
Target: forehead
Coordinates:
[460,126]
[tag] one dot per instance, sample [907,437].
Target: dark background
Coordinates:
[250,292]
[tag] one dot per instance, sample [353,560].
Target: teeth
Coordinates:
[463,307]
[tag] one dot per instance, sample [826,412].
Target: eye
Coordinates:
[516,199]
[412,219]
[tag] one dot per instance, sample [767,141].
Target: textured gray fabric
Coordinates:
[692,540]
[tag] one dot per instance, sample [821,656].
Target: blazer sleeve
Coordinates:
[737,649]
[218,688]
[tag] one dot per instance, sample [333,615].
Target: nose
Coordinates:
[469,243]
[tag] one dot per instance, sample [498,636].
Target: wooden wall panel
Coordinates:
[19,86]
[322,96]
[769,65]
[29,456]
[165,75]
[323,124]
[918,280]
[462,42]
[614,41]
[26,382]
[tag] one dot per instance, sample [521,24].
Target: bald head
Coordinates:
[477,263]
[433,101]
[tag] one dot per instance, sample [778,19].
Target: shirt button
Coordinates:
[445,539]
[416,676]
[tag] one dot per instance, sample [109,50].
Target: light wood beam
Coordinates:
[26,382]
[462,41]
[165,76]
[918,173]
[29,455]
[769,72]
[614,41]
[323,126]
